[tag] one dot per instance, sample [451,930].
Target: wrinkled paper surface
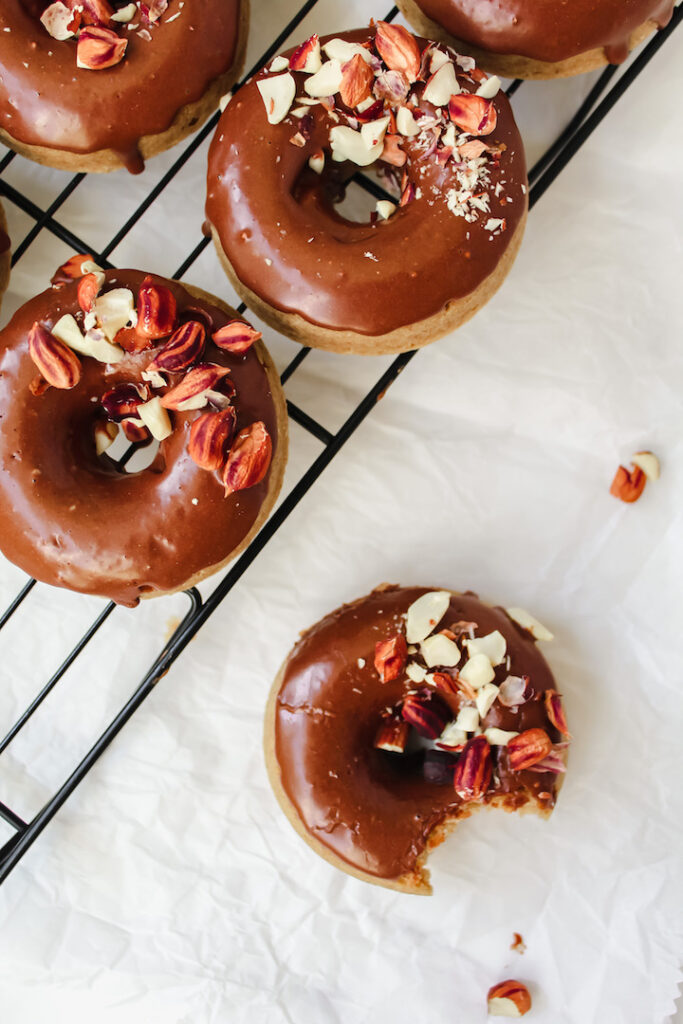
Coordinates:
[170,888]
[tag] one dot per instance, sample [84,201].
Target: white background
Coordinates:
[171,888]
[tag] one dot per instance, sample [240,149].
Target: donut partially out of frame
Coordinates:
[119,352]
[95,85]
[443,137]
[397,716]
[539,38]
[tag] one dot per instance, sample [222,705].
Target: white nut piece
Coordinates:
[468,719]
[416,673]
[452,736]
[279,64]
[439,650]
[156,419]
[385,208]
[493,645]
[326,81]
[499,737]
[115,310]
[425,614]
[485,698]
[317,162]
[278,95]
[125,14]
[527,621]
[489,88]
[93,344]
[406,123]
[477,671]
[56,20]
[343,51]
[442,85]
[648,462]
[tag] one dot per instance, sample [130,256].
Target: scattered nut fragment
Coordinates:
[499,737]
[427,713]
[527,621]
[398,49]
[425,614]
[390,657]
[105,434]
[518,944]
[477,671]
[509,999]
[648,462]
[628,486]
[249,458]
[210,437]
[99,48]
[493,645]
[474,770]
[528,748]
[307,57]
[156,419]
[392,735]
[58,365]
[439,650]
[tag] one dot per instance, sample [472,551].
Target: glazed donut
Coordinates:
[5,253]
[456,157]
[94,85]
[397,716]
[539,38]
[153,359]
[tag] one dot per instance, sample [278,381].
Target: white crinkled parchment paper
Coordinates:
[170,888]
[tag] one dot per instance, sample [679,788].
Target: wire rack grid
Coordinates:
[609,86]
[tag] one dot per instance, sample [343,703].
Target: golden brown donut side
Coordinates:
[372,288]
[503,55]
[71,518]
[120,116]
[5,253]
[369,812]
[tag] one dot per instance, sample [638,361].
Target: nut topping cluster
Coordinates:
[97,26]
[387,100]
[452,678]
[111,324]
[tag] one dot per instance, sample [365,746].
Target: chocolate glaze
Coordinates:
[267,205]
[46,100]
[547,30]
[69,518]
[371,808]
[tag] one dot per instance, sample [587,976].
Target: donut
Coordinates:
[399,715]
[104,353]
[291,139]
[539,38]
[5,254]
[94,85]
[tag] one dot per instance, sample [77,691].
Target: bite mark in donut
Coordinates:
[140,359]
[443,137]
[400,714]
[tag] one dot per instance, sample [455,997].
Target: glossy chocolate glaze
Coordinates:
[547,30]
[69,518]
[266,205]
[46,100]
[372,808]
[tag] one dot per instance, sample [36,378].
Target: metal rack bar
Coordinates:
[585,121]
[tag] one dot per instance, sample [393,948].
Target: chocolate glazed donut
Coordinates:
[378,743]
[5,254]
[457,160]
[97,93]
[70,516]
[539,38]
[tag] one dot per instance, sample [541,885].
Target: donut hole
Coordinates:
[126,457]
[349,193]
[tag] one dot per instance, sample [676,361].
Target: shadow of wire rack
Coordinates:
[605,93]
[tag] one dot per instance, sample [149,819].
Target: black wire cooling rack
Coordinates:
[609,87]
